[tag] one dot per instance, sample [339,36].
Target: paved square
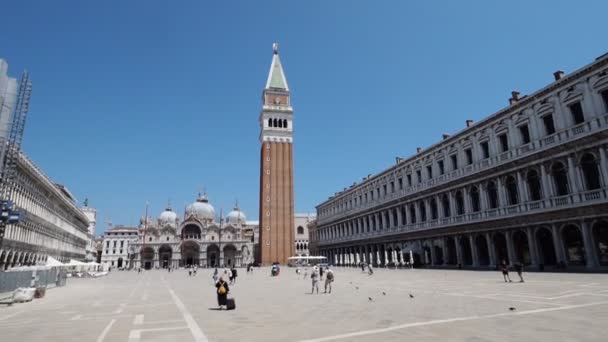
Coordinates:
[447,305]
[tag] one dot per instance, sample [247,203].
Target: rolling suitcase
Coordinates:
[230,304]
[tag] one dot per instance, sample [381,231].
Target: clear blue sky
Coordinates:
[139,101]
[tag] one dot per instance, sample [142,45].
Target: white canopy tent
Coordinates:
[52,262]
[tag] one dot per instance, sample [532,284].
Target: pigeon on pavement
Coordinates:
[411,295]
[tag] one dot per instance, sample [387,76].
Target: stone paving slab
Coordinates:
[449,305]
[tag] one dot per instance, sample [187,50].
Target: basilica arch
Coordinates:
[213,256]
[147,258]
[230,255]
[164,256]
[190,253]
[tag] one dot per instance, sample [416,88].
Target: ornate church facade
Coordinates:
[199,239]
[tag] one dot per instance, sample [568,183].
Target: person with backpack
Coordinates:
[329,278]
[222,293]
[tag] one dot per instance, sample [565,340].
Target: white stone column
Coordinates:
[521,188]
[491,250]
[590,254]
[459,259]
[573,175]
[558,244]
[547,191]
[433,256]
[533,247]
[510,249]
[474,254]
[603,166]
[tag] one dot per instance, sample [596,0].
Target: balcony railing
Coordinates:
[560,137]
[513,210]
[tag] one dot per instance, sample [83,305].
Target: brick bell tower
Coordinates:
[276,168]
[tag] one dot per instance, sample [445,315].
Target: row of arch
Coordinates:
[302,246]
[9,259]
[277,123]
[190,255]
[532,186]
[570,244]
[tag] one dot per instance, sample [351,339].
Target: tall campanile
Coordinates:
[276,168]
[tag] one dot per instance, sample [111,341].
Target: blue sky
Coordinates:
[139,101]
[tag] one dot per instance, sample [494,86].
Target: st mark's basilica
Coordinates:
[199,239]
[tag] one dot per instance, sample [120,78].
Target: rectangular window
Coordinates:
[549,125]
[441,168]
[360,198]
[400,183]
[429,171]
[504,142]
[378,192]
[485,149]
[384,189]
[577,113]
[419,176]
[366,197]
[454,159]
[525,134]
[371,195]
[409,180]
[605,98]
[392,186]
[469,156]
[122,243]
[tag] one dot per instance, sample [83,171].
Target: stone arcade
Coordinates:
[528,183]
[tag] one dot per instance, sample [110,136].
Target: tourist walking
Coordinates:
[362,267]
[189,271]
[329,278]
[315,281]
[519,268]
[370,270]
[233,279]
[321,273]
[505,271]
[222,292]
[215,275]
[194,268]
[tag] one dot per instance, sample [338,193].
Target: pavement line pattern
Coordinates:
[196,331]
[449,320]
[135,335]
[106,330]
[10,315]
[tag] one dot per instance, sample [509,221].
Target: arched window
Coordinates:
[459,203]
[511,185]
[492,195]
[560,178]
[445,202]
[280,123]
[433,209]
[413,213]
[533,185]
[284,123]
[274,123]
[300,230]
[474,193]
[590,170]
[269,122]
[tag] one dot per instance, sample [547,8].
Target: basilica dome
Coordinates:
[168,218]
[201,209]
[236,216]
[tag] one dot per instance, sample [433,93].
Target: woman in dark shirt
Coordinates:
[222,292]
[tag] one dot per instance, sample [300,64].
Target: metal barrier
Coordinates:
[10,281]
